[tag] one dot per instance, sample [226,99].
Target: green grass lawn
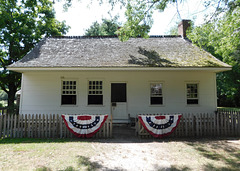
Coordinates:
[113,154]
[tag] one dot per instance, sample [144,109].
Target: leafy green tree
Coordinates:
[139,13]
[3,95]
[23,23]
[106,28]
[221,37]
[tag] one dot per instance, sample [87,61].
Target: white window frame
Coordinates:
[70,89]
[162,94]
[192,94]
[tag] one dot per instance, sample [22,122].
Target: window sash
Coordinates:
[69,87]
[95,88]
[69,92]
[156,90]
[156,94]
[95,92]
[192,93]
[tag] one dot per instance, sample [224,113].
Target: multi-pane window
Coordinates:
[156,94]
[95,92]
[69,92]
[192,94]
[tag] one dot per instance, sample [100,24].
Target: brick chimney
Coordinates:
[182,27]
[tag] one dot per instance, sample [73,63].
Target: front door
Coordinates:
[119,100]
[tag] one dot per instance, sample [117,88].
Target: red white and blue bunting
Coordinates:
[159,125]
[84,126]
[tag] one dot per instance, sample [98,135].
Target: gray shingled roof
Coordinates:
[110,52]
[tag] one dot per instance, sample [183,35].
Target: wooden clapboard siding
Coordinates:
[42,126]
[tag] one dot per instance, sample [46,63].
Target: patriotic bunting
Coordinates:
[84,126]
[159,126]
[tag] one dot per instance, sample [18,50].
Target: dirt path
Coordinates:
[164,155]
[133,156]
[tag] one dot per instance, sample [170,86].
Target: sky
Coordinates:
[81,15]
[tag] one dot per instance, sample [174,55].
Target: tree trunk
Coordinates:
[11,97]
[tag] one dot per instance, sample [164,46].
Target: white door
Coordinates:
[119,100]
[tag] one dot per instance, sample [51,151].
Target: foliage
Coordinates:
[3,95]
[138,14]
[139,17]
[23,23]
[106,28]
[221,37]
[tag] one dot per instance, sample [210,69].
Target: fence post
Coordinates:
[1,124]
[238,121]
[15,126]
[61,127]
[20,126]
[111,125]
[198,125]
[57,126]
[4,125]
[29,125]
[50,123]
[25,125]
[39,125]
[233,123]
[46,126]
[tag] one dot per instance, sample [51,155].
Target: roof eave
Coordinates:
[212,69]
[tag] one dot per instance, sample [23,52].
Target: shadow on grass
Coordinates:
[175,168]
[84,164]
[219,151]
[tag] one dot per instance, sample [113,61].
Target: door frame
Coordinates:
[111,107]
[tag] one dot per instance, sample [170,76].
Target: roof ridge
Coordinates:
[112,36]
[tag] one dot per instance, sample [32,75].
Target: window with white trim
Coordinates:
[156,97]
[95,92]
[69,92]
[192,93]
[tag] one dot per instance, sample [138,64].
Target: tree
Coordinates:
[139,13]
[221,37]
[106,28]
[23,24]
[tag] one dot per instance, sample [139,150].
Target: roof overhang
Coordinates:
[209,69]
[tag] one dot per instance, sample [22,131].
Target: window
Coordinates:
[192,94]
[95,92]
[118,92]
[69,93]
[156,94]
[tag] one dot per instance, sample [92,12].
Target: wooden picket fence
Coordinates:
[42,126]
[221,123]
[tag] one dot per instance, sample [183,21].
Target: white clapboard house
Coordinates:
[102,75]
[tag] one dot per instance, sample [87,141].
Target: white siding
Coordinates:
[41,91]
